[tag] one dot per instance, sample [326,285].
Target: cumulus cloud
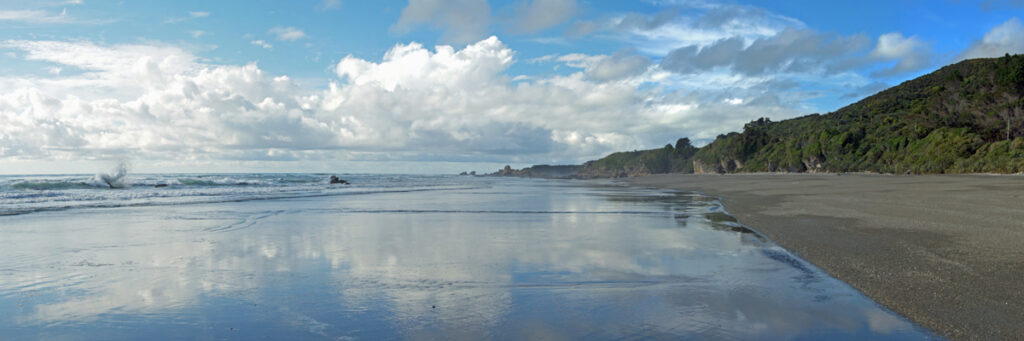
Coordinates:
[910,53]
[1005,38]
[415,103]
[151,100]
[448,100]
[287,33]
[119,71]
[461,21]
[538,15]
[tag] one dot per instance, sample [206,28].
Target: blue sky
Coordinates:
[440,86]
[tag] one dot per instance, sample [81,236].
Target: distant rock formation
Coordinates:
[591,170]
[540,171]
[336,180]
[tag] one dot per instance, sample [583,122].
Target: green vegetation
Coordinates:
[669,159]
[964,118]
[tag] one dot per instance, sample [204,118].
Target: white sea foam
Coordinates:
[26,194]
[115,179]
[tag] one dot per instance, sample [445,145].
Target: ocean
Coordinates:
[290,256]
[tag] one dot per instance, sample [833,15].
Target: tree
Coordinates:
[683,143]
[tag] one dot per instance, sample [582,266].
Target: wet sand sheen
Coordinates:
[489,259]
[944,251]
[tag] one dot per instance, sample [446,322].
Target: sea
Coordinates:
[291,256]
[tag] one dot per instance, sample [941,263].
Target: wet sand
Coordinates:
[490,258]
[945,251]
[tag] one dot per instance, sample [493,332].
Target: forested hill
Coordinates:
[964,118]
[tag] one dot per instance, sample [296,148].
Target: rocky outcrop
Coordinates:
[720,167]
[814,164]
[336,180]
[540,171]
[591,171]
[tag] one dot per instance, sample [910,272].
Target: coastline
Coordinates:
[942,250]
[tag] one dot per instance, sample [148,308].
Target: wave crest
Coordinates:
[115,179]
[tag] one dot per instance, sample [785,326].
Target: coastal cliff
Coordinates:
[540,171]
[963,118]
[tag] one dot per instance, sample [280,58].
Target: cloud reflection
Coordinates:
[582,262]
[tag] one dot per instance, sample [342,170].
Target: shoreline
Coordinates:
[943,250]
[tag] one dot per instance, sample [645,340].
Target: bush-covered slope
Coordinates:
[965,117]
[668,159]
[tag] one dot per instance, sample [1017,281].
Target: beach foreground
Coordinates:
[945,251]
[405,257]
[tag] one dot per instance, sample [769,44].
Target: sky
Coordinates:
[433,86]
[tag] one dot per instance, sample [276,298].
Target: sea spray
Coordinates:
[115,179]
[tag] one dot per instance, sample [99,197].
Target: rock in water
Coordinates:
[335,180]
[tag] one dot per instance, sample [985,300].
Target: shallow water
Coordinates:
[478,258]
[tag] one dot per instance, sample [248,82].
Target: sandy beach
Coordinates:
[945,251]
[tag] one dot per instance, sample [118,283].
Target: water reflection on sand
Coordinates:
[509,259]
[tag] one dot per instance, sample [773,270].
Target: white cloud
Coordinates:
[601,68]
[910,53]
[262,44]
[287,33]
[691,24]
[538,15]
[196,33]
[462,21]
[161,102]
[543,59]
[191,15]
[617,66]
[34,16]
[119,71]
[1003,39]
[790,50]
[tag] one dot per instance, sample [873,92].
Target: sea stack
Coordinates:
[336,180]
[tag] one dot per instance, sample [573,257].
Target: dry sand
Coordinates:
[945,251]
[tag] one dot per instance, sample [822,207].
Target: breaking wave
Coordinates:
[115,179]
[27,194]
